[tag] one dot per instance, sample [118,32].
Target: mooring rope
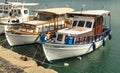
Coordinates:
[43,62]
[49,63]
[89,48]
[2,42]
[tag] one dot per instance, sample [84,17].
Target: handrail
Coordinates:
[92,38]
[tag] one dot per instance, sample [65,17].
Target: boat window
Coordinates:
[19,12]
[0,11]
[25,11]
[5,7]
[39,29]
[46,26]
[51,25]
[48,17]
[74,23]
[88,24]
[5,12]
[60,36]
[32,27]
[81,23]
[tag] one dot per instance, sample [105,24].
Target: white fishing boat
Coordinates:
[14,13]
[45,20]
[88,31]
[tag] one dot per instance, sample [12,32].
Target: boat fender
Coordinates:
[110,37]
[94,46]
[80,58]
[66,64]
[103,42]
[42,38]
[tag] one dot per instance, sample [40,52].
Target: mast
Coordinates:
[6,1]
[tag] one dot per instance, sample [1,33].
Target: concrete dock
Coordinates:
[29,66]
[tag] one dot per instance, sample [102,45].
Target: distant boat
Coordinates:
[14,13]
[45,20]
[88,31]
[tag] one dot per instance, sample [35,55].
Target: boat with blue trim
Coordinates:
[89,30]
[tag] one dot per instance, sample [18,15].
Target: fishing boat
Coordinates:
[45,20]
[14,13]
[89,30]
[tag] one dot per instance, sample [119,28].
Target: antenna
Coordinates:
[83,6]
[46,6]
[23,4]
[67,5]
[103,7]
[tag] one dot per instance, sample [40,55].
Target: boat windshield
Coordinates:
[88,24]
[81,23]
[74,23]
[44,17]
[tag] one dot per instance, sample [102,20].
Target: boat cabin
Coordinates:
[14,12]
[46,20]
[85,23]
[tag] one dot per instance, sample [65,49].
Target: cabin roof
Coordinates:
[35,22]
[91,12]
[74,31]
[57,11]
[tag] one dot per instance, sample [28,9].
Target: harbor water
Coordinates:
[104,60]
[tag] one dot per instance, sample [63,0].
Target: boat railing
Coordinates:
[53,25]
[76,40]
[91,38]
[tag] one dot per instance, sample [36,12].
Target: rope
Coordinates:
[89,48]
[49,63]
[3,41]
[34,54]
[43,62]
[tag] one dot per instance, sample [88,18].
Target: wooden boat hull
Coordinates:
[1,29]
[16,39]
[19,39]
[60,51]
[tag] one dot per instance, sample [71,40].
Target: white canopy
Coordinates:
[56,10]
[92,12]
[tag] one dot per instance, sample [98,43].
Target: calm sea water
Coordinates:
[104,60]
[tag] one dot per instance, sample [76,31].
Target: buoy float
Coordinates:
[110,37]
[66,64]
[103,42]
[79,58]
